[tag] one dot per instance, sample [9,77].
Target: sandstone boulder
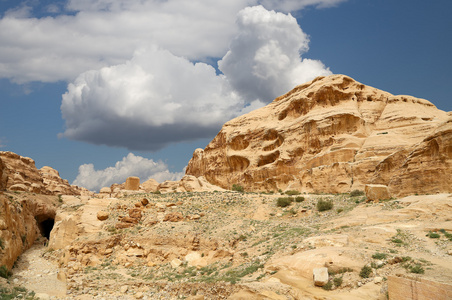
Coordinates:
[320,276]
[132,183]
[173,217]
[332,135]
[102,215]
[150,185]
[376,192]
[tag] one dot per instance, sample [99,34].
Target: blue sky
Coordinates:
[86,83]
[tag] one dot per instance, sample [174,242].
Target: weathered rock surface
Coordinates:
[132,183]
[55,184]
[150,185]
[333,134]
[417,288]
[188,183]
[19,173]
[3,176]
[20,223]
[376,192]
[320,276]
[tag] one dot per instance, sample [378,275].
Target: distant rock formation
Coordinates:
[19,173]
[333,135]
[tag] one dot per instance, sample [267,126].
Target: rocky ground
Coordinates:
[231,245]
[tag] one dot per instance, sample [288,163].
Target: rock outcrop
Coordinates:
[188,183]
[3,176]
[55,184]
[333,134]
[20,174]
[22,220]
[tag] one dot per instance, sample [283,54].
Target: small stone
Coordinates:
[124,289]
[139,295]
[102,215]
[378,280]
[176,263]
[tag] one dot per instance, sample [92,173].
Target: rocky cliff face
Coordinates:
[21,174]
[333,134]
[3,177]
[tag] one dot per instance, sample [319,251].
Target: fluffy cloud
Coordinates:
[293,5]
[105,33]
[154,99]
[89,35]
[131,165]
[158,98]
[264,58]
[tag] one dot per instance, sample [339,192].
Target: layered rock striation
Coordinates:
[19,173]
[333,135]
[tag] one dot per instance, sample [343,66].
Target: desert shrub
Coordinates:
[365,272]
[417,268]
[339,210]
[356,193]
[323,205]
[4,272]
[328,286]
[292,193]
[238,188]
[433,235]
[379,255]
[283,201]
[338,281]
[299,199]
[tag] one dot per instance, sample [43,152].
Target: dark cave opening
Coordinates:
[46,227]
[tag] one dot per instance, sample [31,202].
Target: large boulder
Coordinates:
[334,135]
[132,183]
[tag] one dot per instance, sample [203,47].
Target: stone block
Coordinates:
[320,276]
[376,192]
[132,183]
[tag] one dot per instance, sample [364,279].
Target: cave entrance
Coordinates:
[46,226]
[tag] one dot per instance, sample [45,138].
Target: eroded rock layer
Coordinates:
[19,173]
[333,134]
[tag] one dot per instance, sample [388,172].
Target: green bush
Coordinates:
[337,281]
[379,255]
[323,205]
[356,193]
[299,199]
[433,235]
[283,201]
[417,268]
[292,193]
[4,272]
[328,286]
[365,272]
[238,188]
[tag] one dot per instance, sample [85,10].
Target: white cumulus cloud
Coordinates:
[131,165]
[264,58]
[154,99]
[157,97]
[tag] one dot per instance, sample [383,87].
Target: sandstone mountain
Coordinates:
[333,135]
[19,173]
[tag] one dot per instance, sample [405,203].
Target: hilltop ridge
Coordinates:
[333,135]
